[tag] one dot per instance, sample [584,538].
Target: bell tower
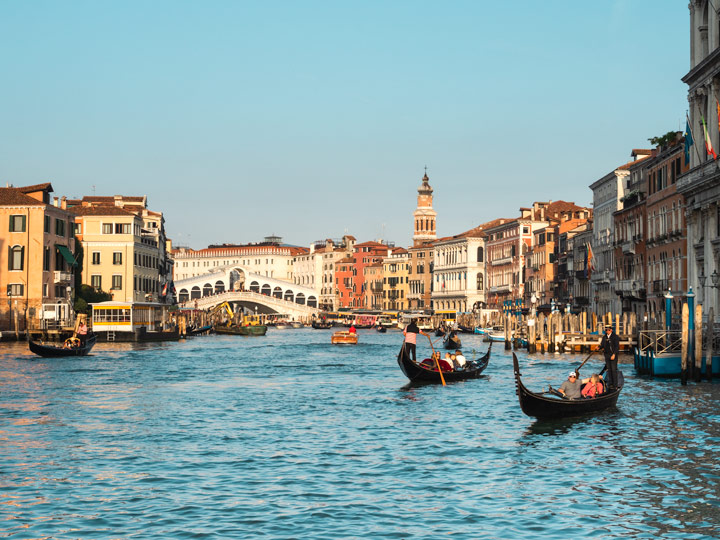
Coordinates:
[424,214]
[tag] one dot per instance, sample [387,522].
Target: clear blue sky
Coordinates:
[308,119]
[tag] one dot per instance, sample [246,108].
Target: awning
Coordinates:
[67,255]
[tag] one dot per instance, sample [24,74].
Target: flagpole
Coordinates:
[689,125]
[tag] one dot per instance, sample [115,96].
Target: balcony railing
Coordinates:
[63,277]
[659,285]
[504,260]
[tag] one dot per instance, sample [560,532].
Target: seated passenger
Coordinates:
[593,387]
[460,359]
[571,388]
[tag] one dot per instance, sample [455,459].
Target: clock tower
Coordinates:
[424,214]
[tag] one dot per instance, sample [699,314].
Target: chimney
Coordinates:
[63,202]
[55,202]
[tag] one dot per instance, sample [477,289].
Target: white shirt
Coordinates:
[460,359]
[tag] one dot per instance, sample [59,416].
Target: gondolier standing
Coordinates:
[410,332]
[82,333]
[610,345]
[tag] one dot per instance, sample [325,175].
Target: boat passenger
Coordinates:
[593,387]
[460,359]
[352,329]
[571,388]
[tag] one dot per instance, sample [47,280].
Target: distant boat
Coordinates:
[251,330]
[452,341]
[296,324]
[51,351]
[322,325]
[343,337]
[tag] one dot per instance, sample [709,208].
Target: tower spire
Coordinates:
[424,214]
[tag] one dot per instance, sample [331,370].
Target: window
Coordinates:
[47,224]
[15,289]
[122,228]
[107,228]
[96,282]
[117,257]
[479,254]
[17,223]
[59,227]
[16,258]
[116,282]
[46,259]
[96,257]
[77,227]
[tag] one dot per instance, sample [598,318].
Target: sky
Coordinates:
[314,119]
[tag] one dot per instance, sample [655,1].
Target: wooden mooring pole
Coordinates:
[685,343]
[710,341]
[698,342]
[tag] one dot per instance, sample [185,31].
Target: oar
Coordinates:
[581,365]
[437,362]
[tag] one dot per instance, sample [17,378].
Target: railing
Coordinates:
[503,260]
[660,341]
[63,277]
[660,285]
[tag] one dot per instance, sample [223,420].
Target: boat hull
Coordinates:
[50,351]
[344,338]
[667,365]
[540,406]
[419,373]
[257,330]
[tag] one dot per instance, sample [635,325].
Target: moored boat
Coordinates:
[452,341]
[344,337]
[321,325]
[250,330]
[52,351]
[542,405]
[425,371]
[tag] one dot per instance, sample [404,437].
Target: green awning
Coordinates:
[67,255]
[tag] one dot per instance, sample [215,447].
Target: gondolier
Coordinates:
[610,345]
[410,332]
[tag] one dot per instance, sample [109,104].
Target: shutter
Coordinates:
[23,223]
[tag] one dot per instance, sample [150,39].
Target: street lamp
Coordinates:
[714,277]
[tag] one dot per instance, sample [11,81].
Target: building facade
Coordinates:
[37,256]
[395,269]
[700,185]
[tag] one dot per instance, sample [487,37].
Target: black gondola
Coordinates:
[51,351]
[452,341]
[543,406]
[381,329]
[420,373]
[322,325]
[439,331]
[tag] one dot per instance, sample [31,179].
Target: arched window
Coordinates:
[184,296]
[219,287]
[265,290]
[195,292]
[16,260]
[207,290]
[479,282]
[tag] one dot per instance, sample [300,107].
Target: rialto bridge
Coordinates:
[255,292]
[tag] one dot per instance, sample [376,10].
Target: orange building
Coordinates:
[350,273]
[37,258]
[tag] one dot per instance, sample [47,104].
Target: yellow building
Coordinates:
[118,257]
[396,287]
[36,258]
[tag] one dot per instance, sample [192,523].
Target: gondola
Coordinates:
[51,351]
[203,329]
[321,325]
[452,342]
[544,406]
[381,329]
[439,331]
[420,373]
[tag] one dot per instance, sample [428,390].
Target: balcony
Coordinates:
[628,248]
[504,260]
[63,277]
[500,289]
[659,286]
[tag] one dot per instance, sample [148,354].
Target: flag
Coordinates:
[689,138]
[708,142]
[590,265]
[164,293]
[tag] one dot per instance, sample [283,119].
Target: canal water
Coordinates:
[287,436]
